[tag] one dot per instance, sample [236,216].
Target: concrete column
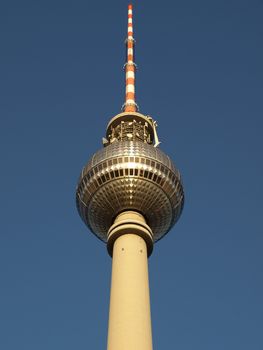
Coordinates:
[129,316]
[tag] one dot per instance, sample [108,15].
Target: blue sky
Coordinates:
[200,75]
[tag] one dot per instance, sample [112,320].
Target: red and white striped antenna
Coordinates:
[130,67]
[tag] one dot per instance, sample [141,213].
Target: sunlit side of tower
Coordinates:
[130,195]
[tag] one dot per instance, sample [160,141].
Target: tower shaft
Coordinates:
[129,316]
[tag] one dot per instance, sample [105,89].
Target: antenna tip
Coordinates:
[130,7]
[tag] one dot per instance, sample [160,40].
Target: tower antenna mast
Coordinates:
[130,67]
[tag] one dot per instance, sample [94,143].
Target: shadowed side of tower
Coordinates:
[130,195]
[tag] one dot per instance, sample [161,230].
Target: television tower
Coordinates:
[130,195]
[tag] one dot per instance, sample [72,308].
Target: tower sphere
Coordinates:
[130,174]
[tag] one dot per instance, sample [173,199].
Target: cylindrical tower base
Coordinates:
[129,316]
